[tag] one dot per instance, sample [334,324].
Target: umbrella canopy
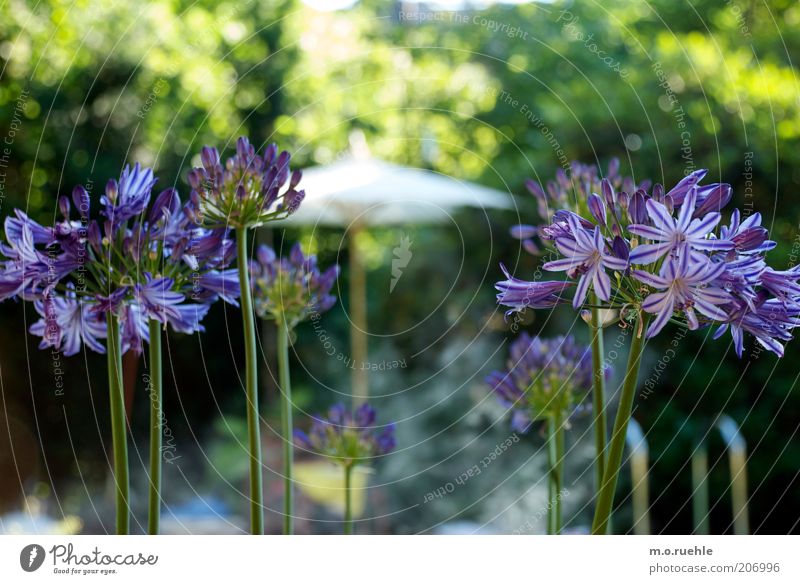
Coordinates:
[371,192]
[359,192]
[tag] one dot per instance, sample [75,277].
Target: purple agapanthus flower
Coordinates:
[67,322]
[670,233]
[215,284]
[693,269]
[769,320]
[290,289]
[684,284]
[252,188]
[748,236]
[543,377]
[158,299]
[186,317]
[33,266]
[348,438]
[129,197]
[520,295]
[574,190]
[586,257]
[141,261]
[782,284]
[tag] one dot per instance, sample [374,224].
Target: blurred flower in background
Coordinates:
[544,378]
[348,438]
[293,288]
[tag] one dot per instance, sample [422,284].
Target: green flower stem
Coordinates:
[156,426]
[555,450]
[616,447]
[251,386]
[348,500]
[598,394]
[286,422]
[119,430]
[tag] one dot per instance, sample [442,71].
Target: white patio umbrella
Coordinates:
[362,192]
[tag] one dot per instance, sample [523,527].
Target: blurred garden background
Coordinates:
[487,93]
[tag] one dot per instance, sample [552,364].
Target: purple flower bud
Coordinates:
[620,248]
[283,159]
[678,192]
[178,250]
[658,192]
[195,178]
[623,200]
[269,196]
[168,201]
[243,148]
[669,203]
[530,246]
[270,153]
[241,193]
[637,212]
[713,197]
[292,200]
[523,231]
[328,277]
[295,180]
[628,185]
[209,158]
[81,199]
[111,190]
[265,254]
[296,255]
[94,236]
[562,178]
[268,181]
[535,189]
[613,168]
[596,206]
[750,238]
[64,207]
[608,192]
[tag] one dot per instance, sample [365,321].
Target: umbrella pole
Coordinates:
[358,321]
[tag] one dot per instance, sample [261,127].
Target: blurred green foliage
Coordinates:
[494,96]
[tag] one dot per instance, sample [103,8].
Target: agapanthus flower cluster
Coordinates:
[140,261]
[348,438]
[570,191]
[290,289]
[544,378]
[664,253]
[250,190]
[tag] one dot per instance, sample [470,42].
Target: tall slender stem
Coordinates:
[119,433]
[286,422]
[700,509]
[555,450]
[251,386]
[598,393]
[616,447]
[348,500]
[358,327]
[156,425]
